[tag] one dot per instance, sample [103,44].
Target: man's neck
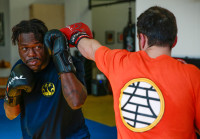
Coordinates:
[156,51]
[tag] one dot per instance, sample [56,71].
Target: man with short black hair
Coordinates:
[155,96]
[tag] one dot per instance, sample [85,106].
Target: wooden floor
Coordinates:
[100,109]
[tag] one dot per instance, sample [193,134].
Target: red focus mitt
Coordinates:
[76,32]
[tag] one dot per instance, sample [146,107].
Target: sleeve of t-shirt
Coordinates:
[108,60]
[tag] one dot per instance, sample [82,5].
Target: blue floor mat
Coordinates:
[10,129]
[101,131]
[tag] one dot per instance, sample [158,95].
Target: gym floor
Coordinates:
[99,114]
[98,111]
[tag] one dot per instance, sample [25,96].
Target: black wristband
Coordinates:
[76,37]
[12,101]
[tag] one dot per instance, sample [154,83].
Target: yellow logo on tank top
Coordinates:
[48,89]
[141,105]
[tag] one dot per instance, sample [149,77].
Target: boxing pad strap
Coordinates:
[63,62]
[76,37]
[13,100]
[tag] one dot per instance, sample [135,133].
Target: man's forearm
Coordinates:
[73,90]
[88,47]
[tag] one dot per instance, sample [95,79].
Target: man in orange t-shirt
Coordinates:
[155,95]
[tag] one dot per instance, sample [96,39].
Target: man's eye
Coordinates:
[38,47]
[24,48]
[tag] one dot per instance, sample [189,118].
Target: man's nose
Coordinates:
[31,52]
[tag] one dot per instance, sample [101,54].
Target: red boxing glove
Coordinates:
[76,32]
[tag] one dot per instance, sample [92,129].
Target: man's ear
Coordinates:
[175,42]
[142,41]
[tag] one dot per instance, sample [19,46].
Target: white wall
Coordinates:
[77,11]
[19,10]
[187,13]
[111,18]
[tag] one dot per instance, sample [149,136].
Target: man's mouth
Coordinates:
[32,61]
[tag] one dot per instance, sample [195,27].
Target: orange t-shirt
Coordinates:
[155,98]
